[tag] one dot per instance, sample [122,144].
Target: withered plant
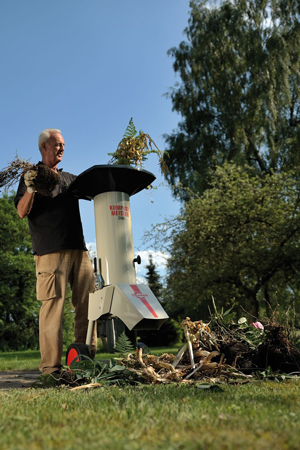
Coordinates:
[134,148]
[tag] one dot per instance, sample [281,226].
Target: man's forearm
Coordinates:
[25,204]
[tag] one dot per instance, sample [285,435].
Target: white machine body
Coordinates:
[114,237]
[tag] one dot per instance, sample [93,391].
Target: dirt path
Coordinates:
[18,379]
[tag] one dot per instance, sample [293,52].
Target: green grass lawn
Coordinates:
[264,415]
[261,414]
[30,359]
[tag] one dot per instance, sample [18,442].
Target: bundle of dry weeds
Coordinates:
[11,174]
[45,181]
[193,363]
[165,369]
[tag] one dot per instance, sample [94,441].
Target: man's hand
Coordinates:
[29,179]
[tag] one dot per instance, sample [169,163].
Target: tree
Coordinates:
[153,278]
[238,242]
[239,91]
[19,308]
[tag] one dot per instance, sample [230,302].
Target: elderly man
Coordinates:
[60,252]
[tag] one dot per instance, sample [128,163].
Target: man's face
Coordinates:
[53,150]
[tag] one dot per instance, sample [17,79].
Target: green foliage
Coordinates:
[88,371]
[225,323]
[18,306]
[153,278]
[238,243]
[239,92]
[124,345]
[170,333]
[68,319]
[269,374]
[130,131]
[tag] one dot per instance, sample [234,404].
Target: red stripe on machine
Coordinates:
[138,294]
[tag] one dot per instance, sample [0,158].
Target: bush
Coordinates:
[170,333]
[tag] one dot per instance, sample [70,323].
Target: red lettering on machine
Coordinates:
[119,210]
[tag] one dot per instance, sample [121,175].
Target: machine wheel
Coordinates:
[76,350]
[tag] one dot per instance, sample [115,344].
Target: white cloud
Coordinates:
[140,280]
[159,259]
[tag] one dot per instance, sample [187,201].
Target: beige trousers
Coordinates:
[53,272]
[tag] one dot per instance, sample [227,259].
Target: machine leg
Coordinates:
[89,334]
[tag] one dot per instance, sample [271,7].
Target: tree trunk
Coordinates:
[252,304]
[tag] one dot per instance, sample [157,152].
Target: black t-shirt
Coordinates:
[54,221]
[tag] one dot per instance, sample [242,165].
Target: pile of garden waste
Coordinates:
[216,353]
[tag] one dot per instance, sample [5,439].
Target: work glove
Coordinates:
[29,179]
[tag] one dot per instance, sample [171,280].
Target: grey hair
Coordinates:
[45,135]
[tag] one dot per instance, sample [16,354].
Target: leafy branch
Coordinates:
[105,373]
[124,345]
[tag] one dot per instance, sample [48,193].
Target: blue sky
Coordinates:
[86,67]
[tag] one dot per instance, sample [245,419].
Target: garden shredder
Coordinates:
[118,295]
